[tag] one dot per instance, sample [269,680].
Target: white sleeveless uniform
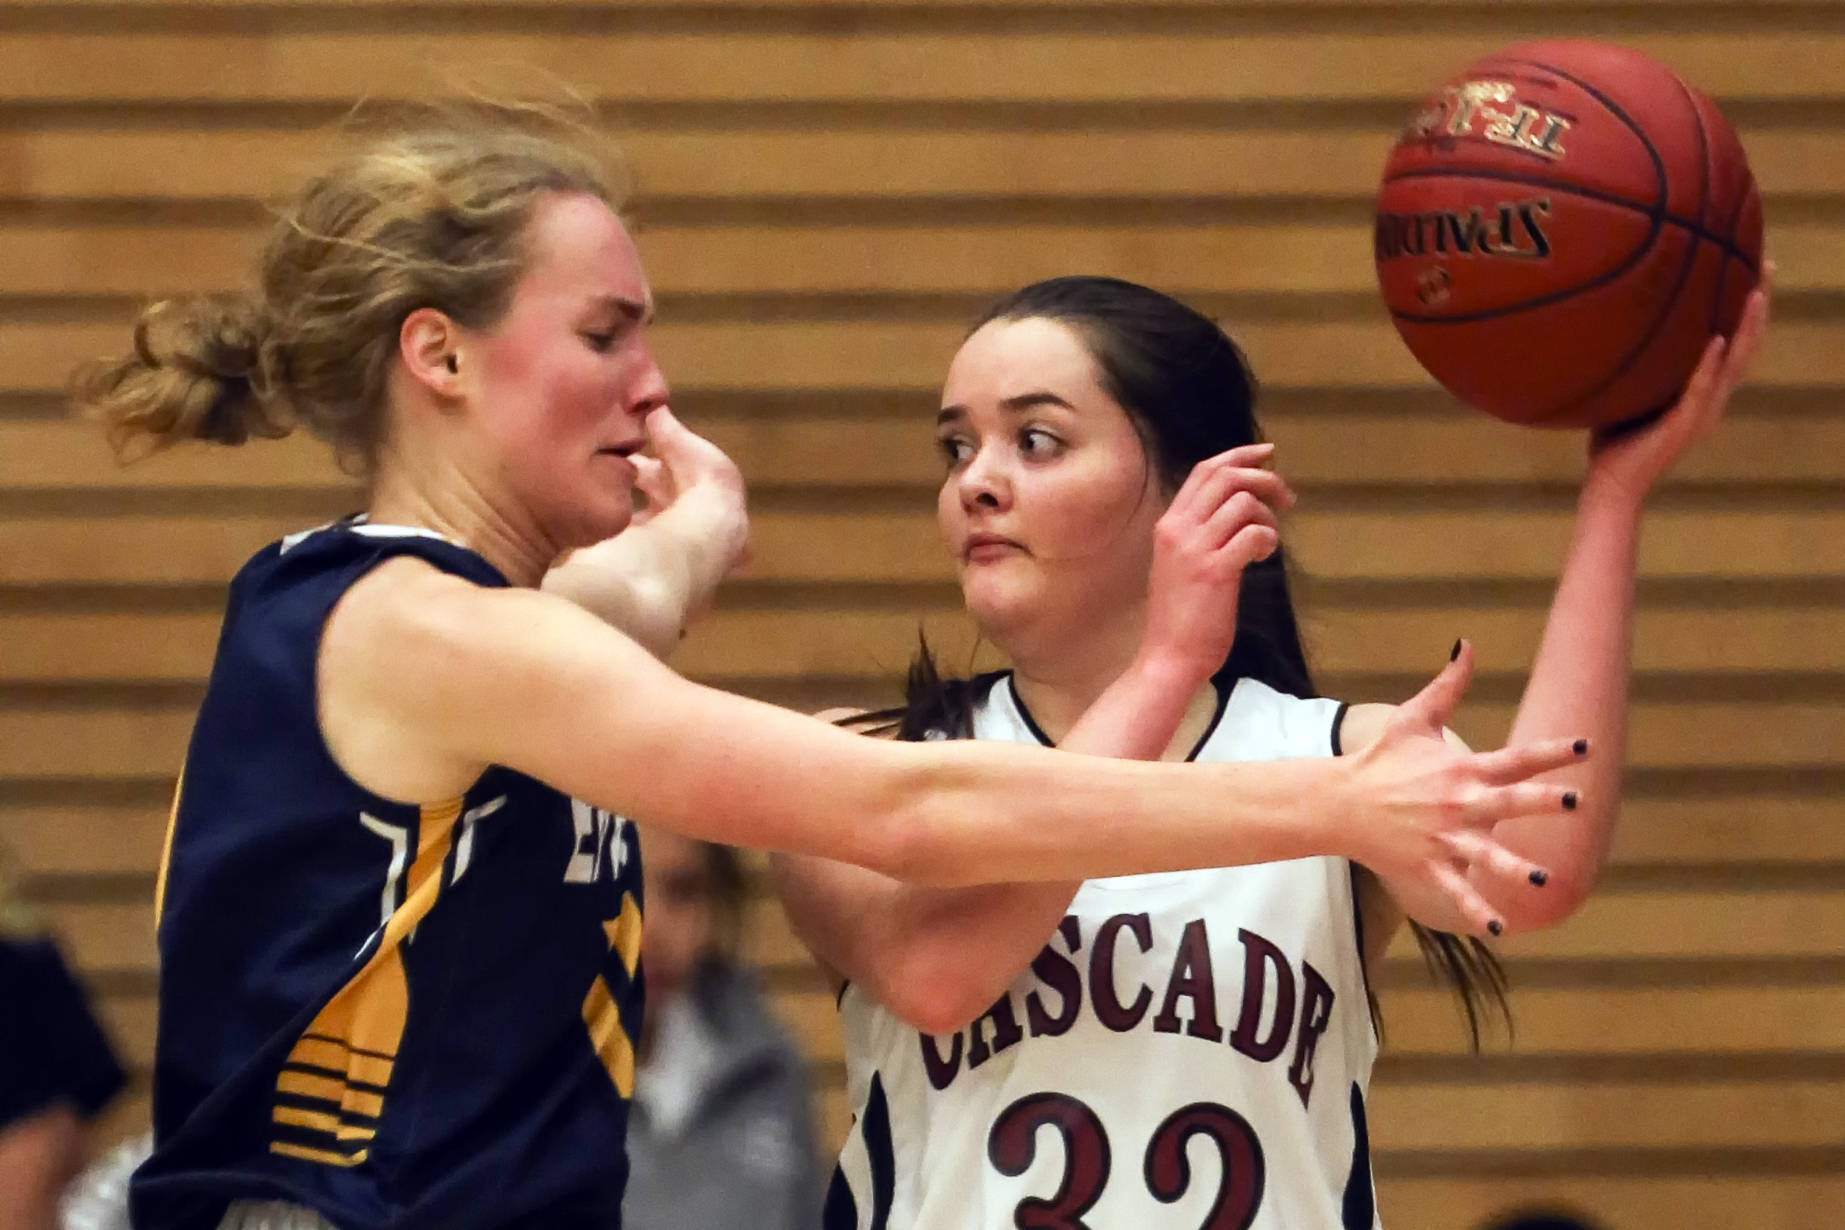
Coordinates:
[1198,1044]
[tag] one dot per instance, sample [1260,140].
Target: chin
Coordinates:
[587,526]
[996,607]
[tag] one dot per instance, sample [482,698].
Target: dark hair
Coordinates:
[1190,395]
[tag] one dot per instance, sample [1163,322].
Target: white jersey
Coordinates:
[1198,1042]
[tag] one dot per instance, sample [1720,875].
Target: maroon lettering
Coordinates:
[1109,1009]
[1006,1031]
[1058,973]
[941,1071]
[1315,1016]
[1258,956]
[1192,978]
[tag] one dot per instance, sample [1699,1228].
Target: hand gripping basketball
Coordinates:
[1561,228]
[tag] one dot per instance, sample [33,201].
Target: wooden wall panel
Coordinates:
[827,191]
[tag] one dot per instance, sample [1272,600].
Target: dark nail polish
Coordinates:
[1456,651]
[1495,926]
[1569,800]
[1540,877]
[1580,747]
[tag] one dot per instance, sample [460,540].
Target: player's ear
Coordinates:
[429,346]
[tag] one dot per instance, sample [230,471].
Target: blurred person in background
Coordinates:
[721,1133]
[57,1069]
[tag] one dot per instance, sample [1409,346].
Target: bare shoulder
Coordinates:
[1364,724]
[401,596]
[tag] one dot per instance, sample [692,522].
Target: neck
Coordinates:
[431,493]
[1059,685]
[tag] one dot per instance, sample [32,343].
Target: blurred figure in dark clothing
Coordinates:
[721,1133]
[57,1070]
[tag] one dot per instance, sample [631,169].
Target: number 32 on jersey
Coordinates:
[1012,1146]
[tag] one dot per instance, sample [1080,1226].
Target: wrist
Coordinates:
[1604,495]
[709,531]
[1166,670]
[1329,815]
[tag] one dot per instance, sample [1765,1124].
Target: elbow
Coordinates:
[1557,902]
[931,992]
[1575,870]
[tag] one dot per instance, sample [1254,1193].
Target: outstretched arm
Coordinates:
[1579,680]
[426,680]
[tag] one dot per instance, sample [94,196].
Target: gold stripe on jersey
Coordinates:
[608,1033]
[625,934]
[331,1089]
[166,850]
[338,1073]
[326,1157]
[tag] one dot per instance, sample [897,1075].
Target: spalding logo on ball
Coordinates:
[1561,230]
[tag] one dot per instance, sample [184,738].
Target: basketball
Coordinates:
[1560,231]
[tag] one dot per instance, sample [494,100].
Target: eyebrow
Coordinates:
[638,312]
[1011,405]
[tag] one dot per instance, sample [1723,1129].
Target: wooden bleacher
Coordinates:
[828,190]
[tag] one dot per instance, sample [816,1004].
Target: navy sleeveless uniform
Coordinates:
[399,1016]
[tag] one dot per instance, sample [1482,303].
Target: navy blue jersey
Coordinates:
[402,1016]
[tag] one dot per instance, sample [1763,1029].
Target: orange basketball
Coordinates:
[1561,230]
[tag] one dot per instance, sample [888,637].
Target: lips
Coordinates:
[987,546]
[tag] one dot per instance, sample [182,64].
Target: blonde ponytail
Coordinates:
[201,369]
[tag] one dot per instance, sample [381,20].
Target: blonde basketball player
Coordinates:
[1188,1049]
[400,917]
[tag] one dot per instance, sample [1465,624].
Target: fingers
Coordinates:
[688,456]
[1748,336]
[1224,483]
[1522,799]
[1249,544]
[1482,918]
[1509,765]
[1434,705]
[666,433]
[1212,479]
[655,486]
[1482,853]
[1240,510]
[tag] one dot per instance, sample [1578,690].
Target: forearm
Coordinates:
[941,956]
[1579,687]
[651,580]
[520,679]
